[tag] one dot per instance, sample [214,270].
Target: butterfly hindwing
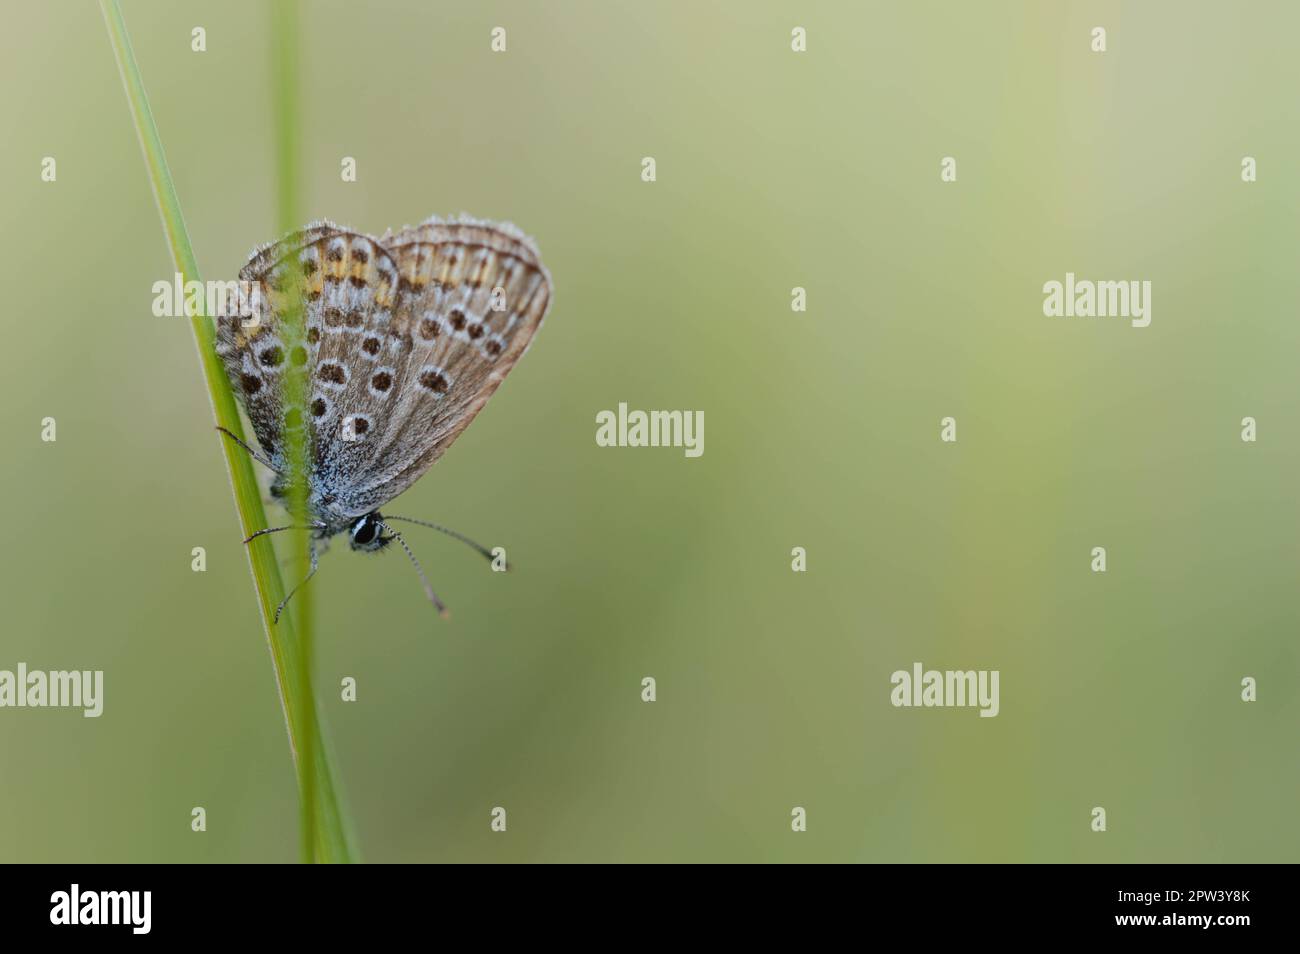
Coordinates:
[347,285]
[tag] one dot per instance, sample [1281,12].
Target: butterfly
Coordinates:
[403,339]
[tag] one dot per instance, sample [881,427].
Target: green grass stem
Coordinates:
[325,822]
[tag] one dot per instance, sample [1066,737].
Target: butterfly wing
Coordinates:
[471,296]
[407,337]
[347,283]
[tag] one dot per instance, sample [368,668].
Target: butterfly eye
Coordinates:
[364,532]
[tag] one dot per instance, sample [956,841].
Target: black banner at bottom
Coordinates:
[212,903]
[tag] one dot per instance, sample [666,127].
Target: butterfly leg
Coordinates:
[263,532]
[251,452]
[315,560]
[324,547]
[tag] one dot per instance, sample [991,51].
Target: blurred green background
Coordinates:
[775,169]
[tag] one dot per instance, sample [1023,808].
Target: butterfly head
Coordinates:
[367,533]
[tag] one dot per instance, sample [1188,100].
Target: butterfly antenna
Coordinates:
[451,533]
[428,590]
[253,536]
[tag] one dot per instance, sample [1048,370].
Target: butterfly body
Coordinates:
[363,531]
[403,338]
